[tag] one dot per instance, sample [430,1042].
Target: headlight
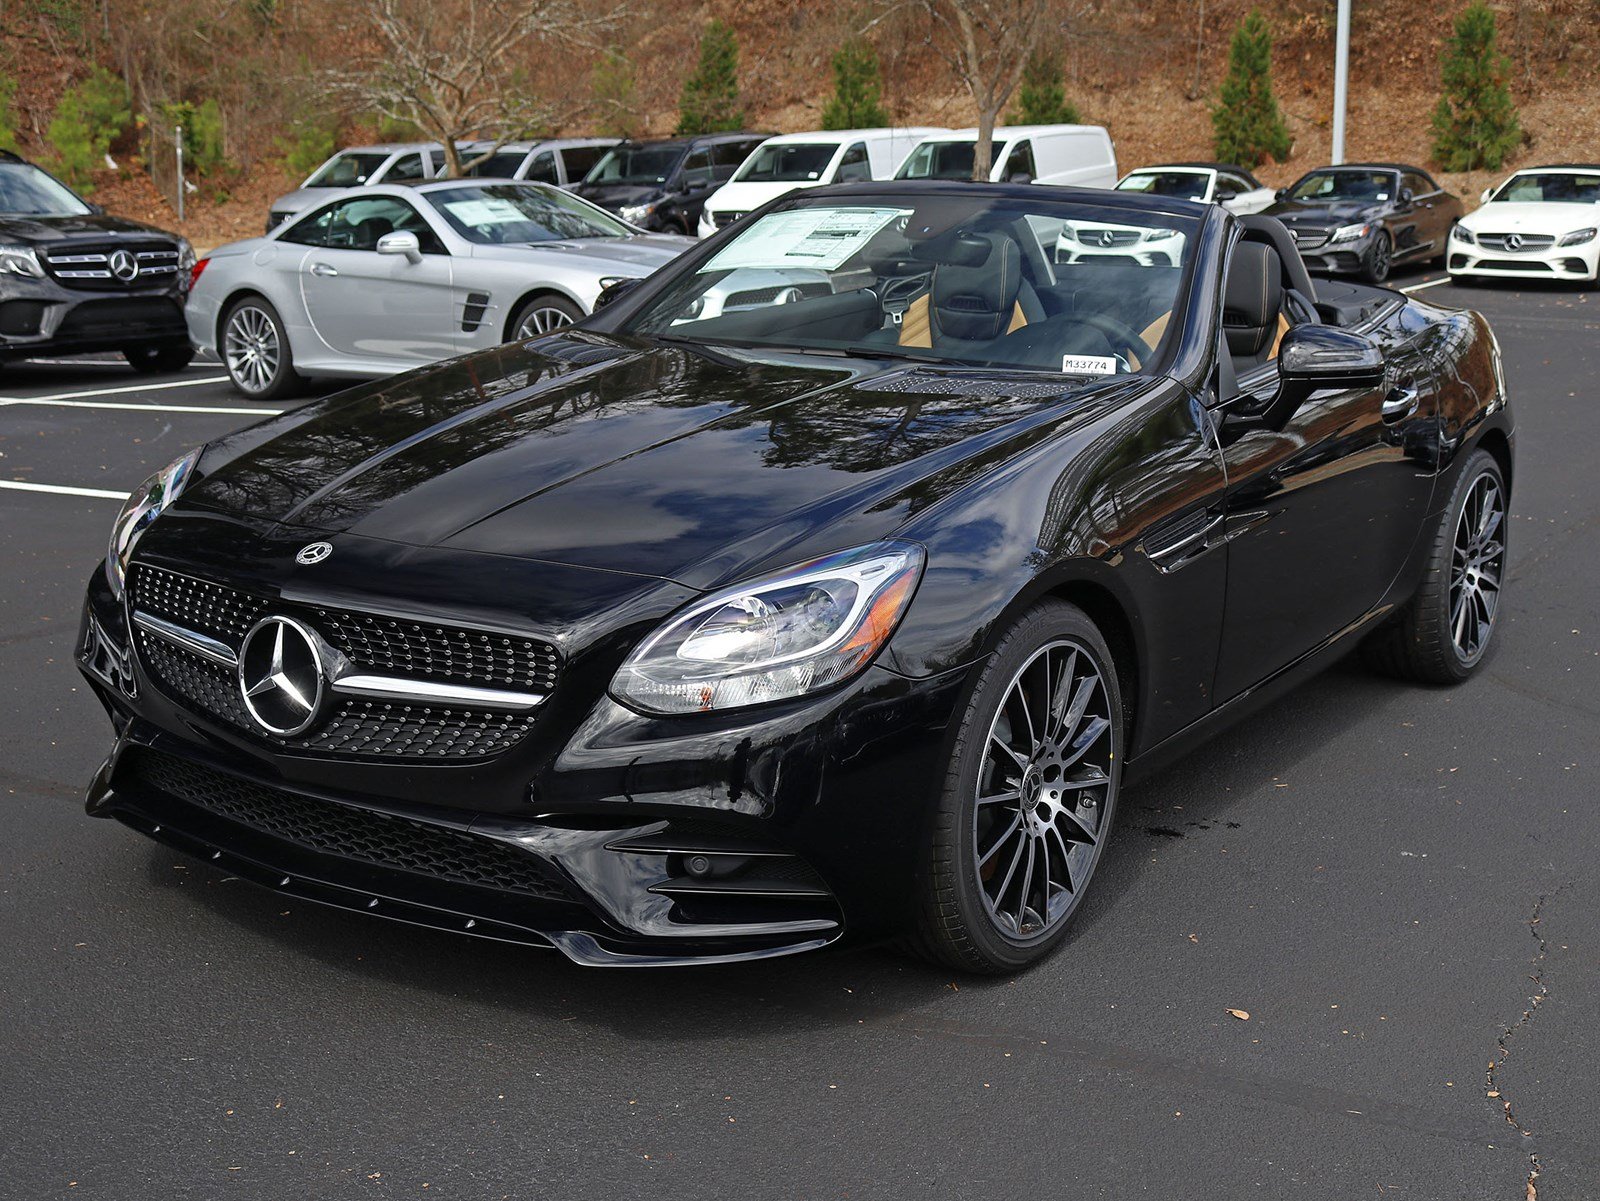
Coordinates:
[607,281]
[1464,235]
[776,638]
[20,260]
[636,214]
[1349,233]
[141,508]
[1578,237]
[186,260]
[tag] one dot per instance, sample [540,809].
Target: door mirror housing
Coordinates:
[1019,177]
[1224,197]
[402,242]
[1406,198]
[1312,359]
[1280,193]
[614,292]
[98,210]
[1487,192]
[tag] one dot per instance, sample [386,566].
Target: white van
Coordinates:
[1080,155]
[808,160]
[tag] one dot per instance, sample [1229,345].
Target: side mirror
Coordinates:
[614,292]
[1224,197]
[1487,192]
[1406,197]
[401,242]
[1280,193]
[98,210]
[1019,177]
[1316,358]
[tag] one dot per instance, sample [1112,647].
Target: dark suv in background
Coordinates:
[663,185]
[73,279]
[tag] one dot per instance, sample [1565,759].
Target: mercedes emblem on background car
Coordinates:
[314,552]
[280,675]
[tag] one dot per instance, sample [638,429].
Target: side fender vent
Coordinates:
[472,314]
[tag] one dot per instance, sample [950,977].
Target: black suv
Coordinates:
[662,186]
[73,279]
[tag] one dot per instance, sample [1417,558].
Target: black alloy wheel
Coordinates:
[1443,634]
[1028,799]
[1378,259]
[153,359]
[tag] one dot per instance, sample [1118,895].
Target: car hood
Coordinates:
[1527,217]
[615,195]
[651,459]
[744,197]
[300,198]
[42,231]
[646,251]
[1302,212]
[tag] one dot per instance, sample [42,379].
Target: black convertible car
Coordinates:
[1363,218]
[835,579]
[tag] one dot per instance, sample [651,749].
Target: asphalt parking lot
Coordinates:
[1399,887]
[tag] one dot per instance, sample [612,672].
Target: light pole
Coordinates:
[1341,79]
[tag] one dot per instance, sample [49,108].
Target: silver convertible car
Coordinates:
[390,277]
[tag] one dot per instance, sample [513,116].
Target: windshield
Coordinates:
[946,279]
[27,191]
[1344,185]
[1186,185]
[518,213]
[347,170]
[502,164]
[1551,187]
[636,164]
[942,160]
[792,163]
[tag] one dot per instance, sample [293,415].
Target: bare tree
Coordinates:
[987,44]
[456,69]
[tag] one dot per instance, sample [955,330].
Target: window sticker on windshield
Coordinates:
[485,212]
[822,238]
[1088,364]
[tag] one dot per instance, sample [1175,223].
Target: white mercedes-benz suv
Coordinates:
[1543,222]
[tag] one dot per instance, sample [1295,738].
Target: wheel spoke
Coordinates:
[1016,824]
[1000,797]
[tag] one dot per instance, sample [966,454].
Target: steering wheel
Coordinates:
[1122,335]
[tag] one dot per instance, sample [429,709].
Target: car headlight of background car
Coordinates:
[773,639]
[636,214]
[1349,233]
[20,260]
[143,506]
[1462,234]
[1578,237]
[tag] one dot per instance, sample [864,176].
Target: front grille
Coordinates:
[114,317]
[1095,236]
[1525,265]
[1309,239]
[753,297]
[345,831]
[373,644]
[88,266]
[1526,244]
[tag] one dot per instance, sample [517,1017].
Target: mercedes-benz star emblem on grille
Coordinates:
[1513,241]
[314,552]
[1108,237]
[280,675]
[124,266]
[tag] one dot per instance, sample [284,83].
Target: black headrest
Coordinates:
[1253,298]
[1272,232]
[974,301]
[369,230]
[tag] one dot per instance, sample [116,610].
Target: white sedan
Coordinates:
[387,278]
[1542,223]
[1234,188]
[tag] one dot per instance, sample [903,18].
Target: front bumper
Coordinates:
[1335,258]
[42,316]
[1555,262]
[636,840]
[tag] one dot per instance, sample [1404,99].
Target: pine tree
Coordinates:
[1042,97]
[710,99]
[612,84]
[1475,122]
[857,97]
[1247,125]
[91,115]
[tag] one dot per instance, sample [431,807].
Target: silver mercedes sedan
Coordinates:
[386,278]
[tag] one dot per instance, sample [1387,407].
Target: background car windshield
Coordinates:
[1344,185]
[1551,187]
[941,160]
[636,164]
[28,191]
[788,164]
[511,214]
[501,165]
[347,171]
[1186,185]
[978,280]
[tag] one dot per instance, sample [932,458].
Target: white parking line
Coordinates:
[63,490]
[183,383]
[138,408]
[1427,283]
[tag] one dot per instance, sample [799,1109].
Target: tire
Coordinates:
[965,919]
[152,359]
[543,315]
[1376,262]
[1433,640]
[256,351]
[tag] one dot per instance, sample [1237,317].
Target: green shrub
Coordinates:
[611,81]
[8,119]
[308,146]
[856,102]
[1475,122]
[203,149]
[710,99]
[1247,125]
[1042,97]
[91,115]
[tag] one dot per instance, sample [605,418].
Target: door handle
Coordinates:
[323,269]
[1401,402]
